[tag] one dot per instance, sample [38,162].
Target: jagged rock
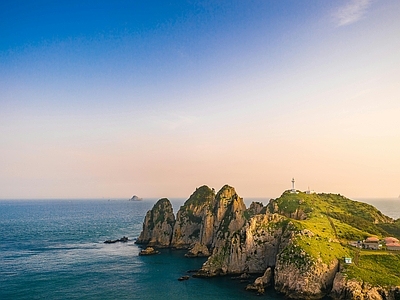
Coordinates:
[158,225]
[229,217]
[255,208]
[148,251]
[190,218]
[198,250]
[344,288]
[262,282]
[298,276]
[252,249]
[124,239]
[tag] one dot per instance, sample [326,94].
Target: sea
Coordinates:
[54,249]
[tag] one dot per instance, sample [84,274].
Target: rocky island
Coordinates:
[135,198]
[299,243]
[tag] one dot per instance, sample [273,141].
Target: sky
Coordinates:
[155,98]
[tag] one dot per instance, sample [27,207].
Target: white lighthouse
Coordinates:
[293,190]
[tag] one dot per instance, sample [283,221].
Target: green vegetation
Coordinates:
[291,203]
[393,229]
[294,254]
[202,195]
[380,268]
[348,219]
[163,208]
[331,222]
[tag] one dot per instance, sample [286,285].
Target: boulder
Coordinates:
[148,251]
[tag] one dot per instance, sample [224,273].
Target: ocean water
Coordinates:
[54,249]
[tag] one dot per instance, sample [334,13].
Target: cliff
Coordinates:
[191,220]
[301,239]
[158,225]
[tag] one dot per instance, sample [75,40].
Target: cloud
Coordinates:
[351,12]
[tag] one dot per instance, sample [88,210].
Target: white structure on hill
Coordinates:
[309,192]
[293,190]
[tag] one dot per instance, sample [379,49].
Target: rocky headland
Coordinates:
[297,242]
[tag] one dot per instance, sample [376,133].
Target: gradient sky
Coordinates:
[156,98]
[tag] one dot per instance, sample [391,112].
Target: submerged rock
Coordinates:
[124,239]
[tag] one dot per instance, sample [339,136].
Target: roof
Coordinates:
[372,239]
[390,240]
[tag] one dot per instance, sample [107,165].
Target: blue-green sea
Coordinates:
[54,249]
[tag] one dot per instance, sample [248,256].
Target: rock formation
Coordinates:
[148,251]
[190,219]
[261,282]
[198,250]
[158,225]
[252,248]
[299,277]
[344,288]
[296,241]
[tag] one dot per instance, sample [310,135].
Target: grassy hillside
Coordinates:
[351,219]
[326,223]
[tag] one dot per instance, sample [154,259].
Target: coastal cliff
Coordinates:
[298,241]
[158,225]
[191,220]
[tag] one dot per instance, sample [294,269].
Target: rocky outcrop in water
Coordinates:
[190,220]
[228,217]
[261,282]
[158,225]
[148,251]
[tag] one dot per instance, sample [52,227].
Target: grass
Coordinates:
[378,268]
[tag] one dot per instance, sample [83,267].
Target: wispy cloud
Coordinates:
[351,12]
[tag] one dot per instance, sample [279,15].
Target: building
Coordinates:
[309,192]
[393,246]
[372,243]
[347,260]
[390,240]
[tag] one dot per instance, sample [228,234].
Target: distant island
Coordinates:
[304,245]
[135,198]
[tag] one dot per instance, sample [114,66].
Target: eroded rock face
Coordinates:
[255,208]
[188,228]
[198,250]
[298,277]
[261,282]
[227,217]
[251,249]
[353,289]
[255,247]
[158,225]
